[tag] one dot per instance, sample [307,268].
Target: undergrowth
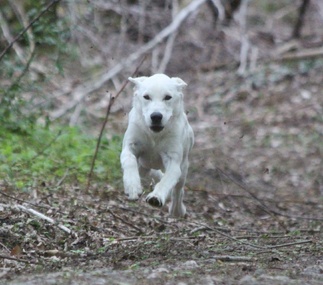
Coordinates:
[51,156]
[30,154]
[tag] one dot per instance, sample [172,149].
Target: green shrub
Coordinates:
[44,156]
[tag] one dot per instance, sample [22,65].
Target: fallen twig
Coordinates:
[111,102]
[228,236]
[243,186]
[302,54]
[125,222]
[288,244]
[229,258]
[14,258]
[42,216]
[271,212]
[26,202]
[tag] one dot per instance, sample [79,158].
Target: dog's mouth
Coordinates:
[156,128]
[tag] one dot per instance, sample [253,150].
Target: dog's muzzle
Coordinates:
[156,119]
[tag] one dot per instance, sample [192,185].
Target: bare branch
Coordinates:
[27,27]
[19,11]
[111,102]
[170,43]
[82,91]
[9,38]
[300,20]
[218,5]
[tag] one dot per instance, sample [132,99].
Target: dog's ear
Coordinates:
[137,80]
[179,83]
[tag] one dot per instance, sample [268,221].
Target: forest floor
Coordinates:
[254,193]
[254,199]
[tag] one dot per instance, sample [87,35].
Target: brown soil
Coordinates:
[254,192]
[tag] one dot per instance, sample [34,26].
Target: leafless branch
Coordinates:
[82,91]
[21,15]
[300,20]
[27,27]
[220,8]
[9,38]
[170,43]
[111,102]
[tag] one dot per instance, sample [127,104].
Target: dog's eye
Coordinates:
[167,97]
[147,97]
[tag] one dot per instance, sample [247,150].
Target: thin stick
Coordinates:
[228,236]
[271,212]
[27,27]
[229,258]
[25,202]
[302,54]
[244,187]
[23,73]
[289,244]
[300,20]
[125,222]
[42,216]
[111,102]
[15,259]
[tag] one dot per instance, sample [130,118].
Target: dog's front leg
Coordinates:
[131,178]
[162,190]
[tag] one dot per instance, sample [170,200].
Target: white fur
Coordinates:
[157,142]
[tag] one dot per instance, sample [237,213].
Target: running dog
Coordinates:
[157,142]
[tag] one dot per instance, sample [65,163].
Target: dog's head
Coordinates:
[158,98]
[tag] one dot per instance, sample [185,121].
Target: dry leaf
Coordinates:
[16,251]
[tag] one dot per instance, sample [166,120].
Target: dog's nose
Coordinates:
[156,118]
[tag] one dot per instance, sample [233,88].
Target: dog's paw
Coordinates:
[177,211]
[133,192]
[154,200]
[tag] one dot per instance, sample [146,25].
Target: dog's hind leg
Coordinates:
[156,175]
[177,207]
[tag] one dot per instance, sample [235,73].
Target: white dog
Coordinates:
[157,142]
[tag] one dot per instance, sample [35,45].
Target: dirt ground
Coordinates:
[225,239]
[254,201]
[254,194]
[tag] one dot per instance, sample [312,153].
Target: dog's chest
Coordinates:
[149,154]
